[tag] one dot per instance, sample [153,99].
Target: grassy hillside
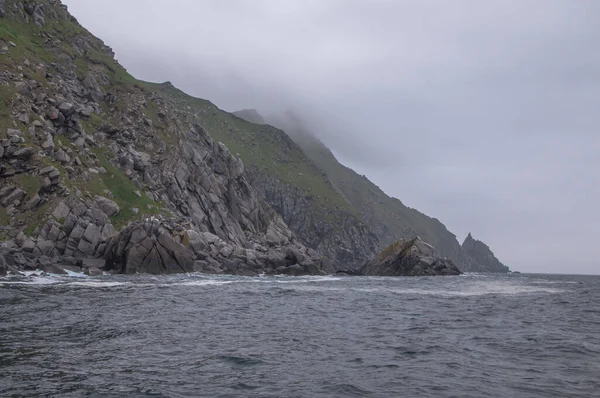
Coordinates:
[263,146]
[35,53]
[388,217]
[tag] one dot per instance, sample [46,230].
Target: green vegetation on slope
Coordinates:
[265,147]
[389,218]
[29,45]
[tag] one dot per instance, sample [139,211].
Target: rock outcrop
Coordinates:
[163,246]
[387,218]
[89,150]
[482,254]
[411,257]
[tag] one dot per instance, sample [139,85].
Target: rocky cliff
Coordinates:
[482,254]
[388,218]
[289,181]
[86,149]
[97,164]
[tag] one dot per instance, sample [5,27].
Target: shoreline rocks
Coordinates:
[412,257]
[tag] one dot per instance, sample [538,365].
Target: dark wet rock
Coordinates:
[93,271]
[148,247]
[54,269]
[349,272]
[412,257]
[3,265]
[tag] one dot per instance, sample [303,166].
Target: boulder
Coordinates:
[54,269]
[148,246]
[62,157]
[24,153]
[15,194]
[93,271]
[412,257]
[3,265]
[22,88]
[67,109]
[109,207]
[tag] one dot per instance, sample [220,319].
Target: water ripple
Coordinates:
[226,336]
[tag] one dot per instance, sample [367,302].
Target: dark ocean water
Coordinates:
[200,336]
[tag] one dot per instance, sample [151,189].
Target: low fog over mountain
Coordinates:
[481,114]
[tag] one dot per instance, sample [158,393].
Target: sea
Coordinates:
[194,335]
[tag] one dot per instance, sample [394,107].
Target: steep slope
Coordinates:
[388,217]
[86,149]
[289,181]
[250,115]
[482,254]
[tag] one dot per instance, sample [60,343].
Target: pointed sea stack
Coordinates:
[482,254]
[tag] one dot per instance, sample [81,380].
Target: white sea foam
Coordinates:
[38,280]
[74,274]
[99,284]
[205,282]
[500,290]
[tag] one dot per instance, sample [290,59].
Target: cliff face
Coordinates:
[387,217]
[86,148]
[290,182]
[482,254]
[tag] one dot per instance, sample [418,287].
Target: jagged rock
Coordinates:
[28,245]
[24,153]
[482,254]
[54,269]
[44,247]
[93,271]
[32,203]
[147,247]
[92,234]
[109,207]
[22,88]
[61,211]
[14,195]
[67,109]
[412,257]
[57,118]
[24,117]
[3,264]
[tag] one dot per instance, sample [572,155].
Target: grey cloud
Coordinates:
[480,113]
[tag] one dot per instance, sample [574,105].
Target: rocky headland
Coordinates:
[101,172]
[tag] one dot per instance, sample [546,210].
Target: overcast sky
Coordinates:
[484,114]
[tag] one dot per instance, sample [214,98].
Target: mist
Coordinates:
[481,114]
